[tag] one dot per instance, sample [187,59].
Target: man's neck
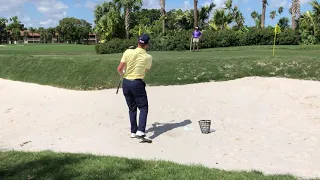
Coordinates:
[141,47]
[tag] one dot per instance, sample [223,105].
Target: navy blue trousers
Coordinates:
[136,97]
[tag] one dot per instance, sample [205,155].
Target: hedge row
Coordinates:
[180,40]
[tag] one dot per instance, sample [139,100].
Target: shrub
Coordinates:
[114,46]
[179,40]
[288,37]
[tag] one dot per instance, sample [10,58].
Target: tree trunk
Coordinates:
[293,21]
[163,12]
[263,15]
[295,13]
[127,22]
[195,9]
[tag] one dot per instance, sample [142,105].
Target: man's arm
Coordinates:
[123,63]
[149,64]
[121,67]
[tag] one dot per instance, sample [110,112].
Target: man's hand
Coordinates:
[120,68]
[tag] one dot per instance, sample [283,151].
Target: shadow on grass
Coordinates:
[159,128]
[50,165]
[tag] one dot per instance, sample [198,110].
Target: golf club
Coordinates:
[119,85]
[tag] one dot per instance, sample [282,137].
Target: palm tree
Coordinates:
[195,11]
[239,18]
[228,5]
[51,34]
[254,15]
[316,10]
[129,5]
[15,26]
[263,16]
[257,18]
[231,11]
[25,35]
[273,14]
[32,31]
[163,12]
[3,25]
[221,20]
[280,10]
[108,20]
[284,23]
[227,15]
[295,12]
[204,14]
[309,22]
[42,34]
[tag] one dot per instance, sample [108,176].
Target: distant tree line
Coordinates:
[69,30]
[124,18]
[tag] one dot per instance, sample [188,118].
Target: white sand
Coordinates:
[267,124]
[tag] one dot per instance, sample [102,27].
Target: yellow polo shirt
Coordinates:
[137,61]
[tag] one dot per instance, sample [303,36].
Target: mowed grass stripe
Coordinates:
[99,72]
[78,67]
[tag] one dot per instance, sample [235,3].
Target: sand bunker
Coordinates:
[267,124]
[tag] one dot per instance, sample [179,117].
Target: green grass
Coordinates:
[78,67]
[49,165]
[47,49]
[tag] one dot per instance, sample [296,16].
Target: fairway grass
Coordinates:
[46,49]
[16,165]
[87,71]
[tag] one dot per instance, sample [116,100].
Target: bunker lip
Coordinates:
[266,124]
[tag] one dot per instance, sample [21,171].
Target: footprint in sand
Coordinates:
[311,97]
[7,110]
[310,105]
[121,117]
[173,134]
[311,102]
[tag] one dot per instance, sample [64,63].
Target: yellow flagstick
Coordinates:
[274,42]
[277,30]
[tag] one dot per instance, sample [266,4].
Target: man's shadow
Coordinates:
[160,128]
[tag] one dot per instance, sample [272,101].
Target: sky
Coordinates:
[47,13]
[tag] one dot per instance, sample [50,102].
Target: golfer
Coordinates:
[136,62]
[196,34]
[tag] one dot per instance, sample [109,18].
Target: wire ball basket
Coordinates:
[205,126]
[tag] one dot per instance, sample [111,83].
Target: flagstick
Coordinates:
[274,43]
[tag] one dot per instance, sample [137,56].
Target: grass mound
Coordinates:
[49,165]
[86,71]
